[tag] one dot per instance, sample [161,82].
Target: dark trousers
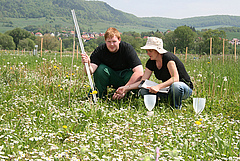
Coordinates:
[105,77]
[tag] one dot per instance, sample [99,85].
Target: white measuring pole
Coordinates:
[83,51]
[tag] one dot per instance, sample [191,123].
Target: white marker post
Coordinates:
[83,51]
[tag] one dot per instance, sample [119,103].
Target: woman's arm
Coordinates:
[172,68]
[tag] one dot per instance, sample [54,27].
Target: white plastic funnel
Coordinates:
[199,104]
[150,101]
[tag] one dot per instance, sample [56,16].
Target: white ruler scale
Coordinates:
[83,51]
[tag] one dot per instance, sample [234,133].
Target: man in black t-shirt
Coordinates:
[114,63]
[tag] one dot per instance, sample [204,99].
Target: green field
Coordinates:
[23,22]
[231,35]
[44,114]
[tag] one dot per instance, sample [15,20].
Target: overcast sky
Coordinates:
[176,8]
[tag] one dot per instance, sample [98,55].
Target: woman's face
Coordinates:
[153,54]
[113,44]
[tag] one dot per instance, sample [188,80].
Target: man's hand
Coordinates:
[118,96]
[120,93]
[85,58]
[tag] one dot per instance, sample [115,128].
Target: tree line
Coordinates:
[198,42]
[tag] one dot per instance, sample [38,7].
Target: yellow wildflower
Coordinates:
[94,92]
[55,67]
[61,89]
[200,120]
[198,123]
[59,85]
[64,126]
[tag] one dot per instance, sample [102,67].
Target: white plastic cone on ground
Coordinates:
[150,101]
[199,104]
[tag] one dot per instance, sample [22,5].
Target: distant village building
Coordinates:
[72,33]
[101,34]
[233,41]
[85,36]
[88,36]
[96,35]
[38,34]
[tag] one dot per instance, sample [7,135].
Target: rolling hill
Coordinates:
[94,16]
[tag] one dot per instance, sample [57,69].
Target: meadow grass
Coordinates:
[39,121]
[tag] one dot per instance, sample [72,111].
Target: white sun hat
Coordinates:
[156,44]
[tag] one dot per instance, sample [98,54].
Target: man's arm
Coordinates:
[124,89]
[135,78]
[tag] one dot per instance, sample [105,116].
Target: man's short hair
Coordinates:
[111,32]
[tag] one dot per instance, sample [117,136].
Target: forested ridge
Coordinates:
[90,10]
[97,11]
[196,22]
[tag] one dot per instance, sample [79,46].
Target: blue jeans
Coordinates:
[178,92]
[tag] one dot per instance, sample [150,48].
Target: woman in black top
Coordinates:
[167,68]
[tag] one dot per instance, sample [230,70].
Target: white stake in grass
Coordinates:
[83,51]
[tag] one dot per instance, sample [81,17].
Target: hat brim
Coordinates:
[159,50]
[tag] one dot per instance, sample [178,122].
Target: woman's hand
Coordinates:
[154,89]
